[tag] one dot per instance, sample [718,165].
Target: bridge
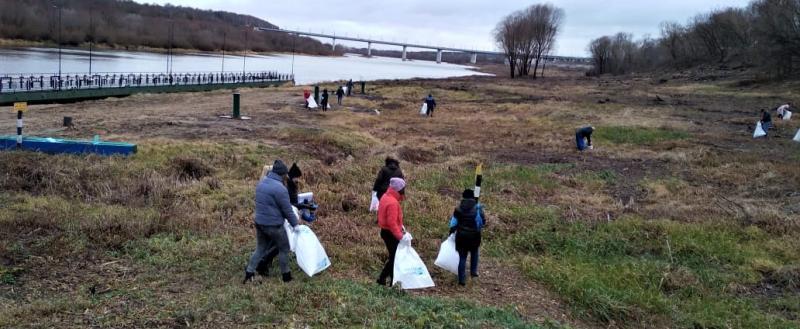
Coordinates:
[473,58]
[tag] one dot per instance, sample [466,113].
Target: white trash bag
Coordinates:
[344,89]
[424,109]
[409,270]
[290,230]
[787,115]
[759,131]
[797,136]
[312,104]
[311,256]
[373,205]
[448,256]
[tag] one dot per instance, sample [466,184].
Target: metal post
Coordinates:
[316,94]
[236,97]
[363,87]
[244,59]
[91,40]
[224,40]
[19,129]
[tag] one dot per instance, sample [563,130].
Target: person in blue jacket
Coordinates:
[272,208]
[583,138]
[467,222]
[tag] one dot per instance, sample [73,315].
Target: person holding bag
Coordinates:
[467,222]
[391,169]
[390,220]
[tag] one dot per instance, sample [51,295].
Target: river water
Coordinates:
[306,69]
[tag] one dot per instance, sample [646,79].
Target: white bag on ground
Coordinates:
[409,270]
[759,131]
[311,256]
[424,109]
[448,256]
[312,104]
[374,203]
[787,115]
[290,230]
[797,136]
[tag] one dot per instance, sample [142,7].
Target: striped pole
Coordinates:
[478,180]
[19,129]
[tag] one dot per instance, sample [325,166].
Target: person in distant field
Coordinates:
[390,220]
[306,95]
[583,138]
[783,109]
[324,101]
[272,209]
[339,95]
[431,105]
[467,222]
[766,120]
[349,87]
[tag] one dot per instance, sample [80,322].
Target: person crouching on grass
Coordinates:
[467,223]
[390,220]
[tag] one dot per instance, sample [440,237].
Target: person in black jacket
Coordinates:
[431,104]
[467,222]
[390,170]
[324,101]
[583,138]
[766,120]
[350,87]
[339,95]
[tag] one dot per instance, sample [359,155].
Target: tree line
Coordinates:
[764,35]
[527,36]
[124,23]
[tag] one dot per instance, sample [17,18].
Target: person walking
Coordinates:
[349,87]
[583,138]
[431,104]
[467,222]
[339,95]
[390,220]
[324,101]
[272,208]
[766,120]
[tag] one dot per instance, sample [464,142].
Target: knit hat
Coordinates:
[397,184]
[468,194]
[279,168]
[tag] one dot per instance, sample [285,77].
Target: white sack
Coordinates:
[290,230]
[312,104]
[311,256]
[409,270]
[787,115]
[759,131]
[373,205]
[797,136]
[424,109]
[448,256]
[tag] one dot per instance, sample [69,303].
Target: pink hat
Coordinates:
[397,184]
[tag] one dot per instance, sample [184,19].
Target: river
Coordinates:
[306,69]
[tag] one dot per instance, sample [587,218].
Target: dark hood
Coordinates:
[467,205]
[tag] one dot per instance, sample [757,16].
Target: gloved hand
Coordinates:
[373,206]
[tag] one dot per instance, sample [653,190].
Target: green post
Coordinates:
[316,94]
[236,96]
[363,87]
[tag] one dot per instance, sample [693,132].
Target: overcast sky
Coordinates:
[461,23]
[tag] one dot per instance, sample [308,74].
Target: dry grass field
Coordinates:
[677,218]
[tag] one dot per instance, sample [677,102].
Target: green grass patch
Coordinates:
[631,270]
[637,135]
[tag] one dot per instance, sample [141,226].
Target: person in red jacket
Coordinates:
[390,220]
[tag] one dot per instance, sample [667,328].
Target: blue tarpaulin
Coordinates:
[59,146]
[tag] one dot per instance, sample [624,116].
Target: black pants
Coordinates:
[391,246]
[324,106]
[339,100]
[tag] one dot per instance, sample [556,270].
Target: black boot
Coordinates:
[287,277]
[462,283]
[381,282]
[474,275]
[248,277]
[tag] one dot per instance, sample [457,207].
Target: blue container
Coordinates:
[64,146]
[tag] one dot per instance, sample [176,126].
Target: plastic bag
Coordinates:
[759,131]
[424,109]
[344,89]
[448,256]
[290,230]
[797,136]
[787,115]
[409,270]
[373,205]
[311,256]
[312,104]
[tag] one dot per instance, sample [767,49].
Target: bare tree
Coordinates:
[527,36]
[508,35]
[545,22]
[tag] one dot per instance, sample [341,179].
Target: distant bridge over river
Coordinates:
[439,49]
